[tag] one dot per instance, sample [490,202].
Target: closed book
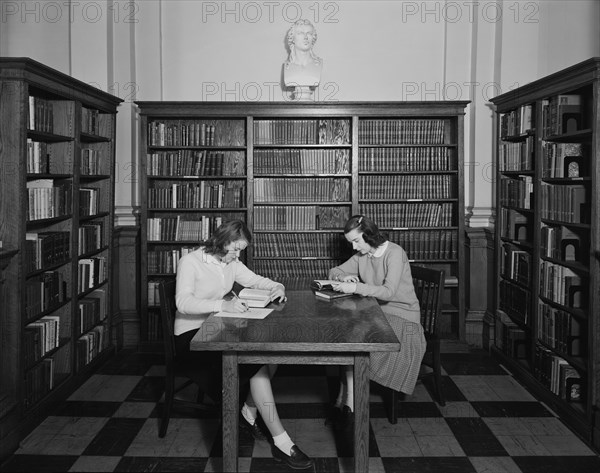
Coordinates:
[330,294]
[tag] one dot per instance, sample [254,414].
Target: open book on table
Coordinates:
[324,288]
[255,297]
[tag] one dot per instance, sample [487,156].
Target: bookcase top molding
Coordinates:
[570,78]
[56,82]
[181,109]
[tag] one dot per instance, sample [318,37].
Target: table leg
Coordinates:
[361,412]
[230,411]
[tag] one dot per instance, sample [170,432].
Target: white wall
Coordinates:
[372,50]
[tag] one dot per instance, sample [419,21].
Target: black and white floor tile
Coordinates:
[490,424]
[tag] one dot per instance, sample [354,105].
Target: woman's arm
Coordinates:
[397,275]
[190,272]
[346,269]
[248,278]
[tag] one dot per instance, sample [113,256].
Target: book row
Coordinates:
[90,345]
[515,301]
[419,186]
[300,217]
[45,249]
[517,122]
[39,381]
[562,243]
[401,131]
[41,114]
[302,132]
[409,214]
[517,156]
[562,114]
[38,157]
[90,162]
[90,237]
[514,225]
[94,122]
[164,261]
[562,160]
[197,195]
[309,189]
[291,245]
[405,159]
[197,133]
[511,339]
[45,292]
[92,309]
[281,269]
[562,285]
[40,337]
[91,272]
[516,192]
[196,163]
[301,161]
[185,228]
[560,330]
[427,244]
[89,201]
[564,203]
[516,264]
[154,330]
[558,375]
[47,200]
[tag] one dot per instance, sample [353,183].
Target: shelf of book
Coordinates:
[547,232]
[57,162]
[302,169]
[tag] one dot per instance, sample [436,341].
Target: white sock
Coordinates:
[249,413]
[283,442]
[349,401]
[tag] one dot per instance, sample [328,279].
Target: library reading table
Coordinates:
[305,330]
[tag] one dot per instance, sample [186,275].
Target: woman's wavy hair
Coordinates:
[368,228]
[226,233]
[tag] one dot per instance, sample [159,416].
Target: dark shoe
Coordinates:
[333,416]
[254,430]
[297,459]
[345,421]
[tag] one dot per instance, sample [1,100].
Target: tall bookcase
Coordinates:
[295,172]
[547,325]
[57,158]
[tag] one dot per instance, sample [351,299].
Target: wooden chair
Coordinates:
[429,288]
[190,368]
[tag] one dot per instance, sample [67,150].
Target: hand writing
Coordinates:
[234,305]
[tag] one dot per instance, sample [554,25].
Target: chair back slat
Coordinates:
[429,288]
[166,291]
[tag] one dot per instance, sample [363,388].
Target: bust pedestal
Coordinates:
[304,79]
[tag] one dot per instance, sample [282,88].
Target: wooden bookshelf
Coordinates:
[57,162]
[547,232]
[296,172]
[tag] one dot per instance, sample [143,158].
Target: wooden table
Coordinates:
[305,330]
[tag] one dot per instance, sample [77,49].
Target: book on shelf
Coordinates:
[255,297]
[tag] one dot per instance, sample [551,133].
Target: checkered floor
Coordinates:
[490,424]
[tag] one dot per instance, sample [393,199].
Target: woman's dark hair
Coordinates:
[368,228]
[226,233]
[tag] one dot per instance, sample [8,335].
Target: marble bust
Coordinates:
[302,69]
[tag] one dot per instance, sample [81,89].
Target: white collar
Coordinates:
[379,251]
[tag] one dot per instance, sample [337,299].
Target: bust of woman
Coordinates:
[302,69]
